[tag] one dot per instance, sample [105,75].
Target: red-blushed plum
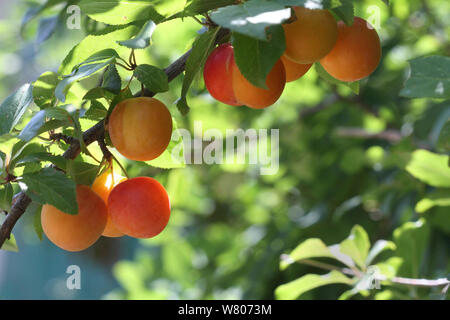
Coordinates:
[217,74]
[139,207]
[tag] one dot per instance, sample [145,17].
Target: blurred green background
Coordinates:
[229,224]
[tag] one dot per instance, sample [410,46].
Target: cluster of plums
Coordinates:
[347,53]
[140,129]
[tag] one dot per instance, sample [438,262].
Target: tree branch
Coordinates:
[392,136]
[418,282]
[389,135]
[350,272]
[89,136]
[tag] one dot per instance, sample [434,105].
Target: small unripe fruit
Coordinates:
[294,70]
[140,128]
[356,54]
[103,186]
[311,36]
[139,207]
[80,231]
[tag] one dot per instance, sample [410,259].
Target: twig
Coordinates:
[59,136]
[14,214]
[107,155]
[390,135]
[417,282]
[89,136]
[396,280]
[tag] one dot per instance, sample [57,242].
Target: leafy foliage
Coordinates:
[363,166]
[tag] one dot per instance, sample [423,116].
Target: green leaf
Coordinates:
[52,125]
[10,244]
[105,54]
[142,39]
[34,209]
[58,161]
[390,267]
[2,163]
[6,196]
[354,86]
[439,197]
[36,124]
[29,15]
[13,108]
[44,90]
[153,78]
[182,106]
[252,18]
[255,58]
[98,93]
[78,132]
[95,45]
[345,11]
[80,73]
[411,239]
[120,12]
[82,172]
[46,28]
[196,7]
[356,246]
[111,80]
[377,248]
[96,111]
[346,295]
[31,167]
[440,219]
[444,138]
[201,48]
[311,248]
[430,78]
[340,256]
[294,289]
[50,186]
[33,126]
[35,11]
[22,149]
[430,168]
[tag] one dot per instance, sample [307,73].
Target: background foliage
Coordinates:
[372,165]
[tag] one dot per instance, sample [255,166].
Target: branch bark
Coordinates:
[89,136]
[392,136]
